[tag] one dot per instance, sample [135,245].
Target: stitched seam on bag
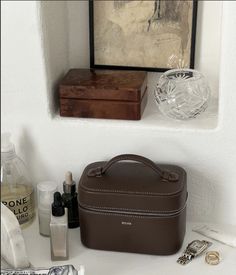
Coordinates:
[128,209]
[131,216]
[182,185]
[132,192]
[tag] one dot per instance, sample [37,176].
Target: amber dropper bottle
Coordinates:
[70,200]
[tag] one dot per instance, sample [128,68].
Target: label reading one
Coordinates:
[21,207]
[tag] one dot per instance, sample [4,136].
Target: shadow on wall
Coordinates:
[54,24]
[203,197]
[36,166]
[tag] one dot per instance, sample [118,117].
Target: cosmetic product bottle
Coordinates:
[58,230]
[17,191]
[70,200]
[45,191]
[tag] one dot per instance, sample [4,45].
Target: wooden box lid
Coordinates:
[103,85]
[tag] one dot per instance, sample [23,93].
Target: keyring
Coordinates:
[212,257]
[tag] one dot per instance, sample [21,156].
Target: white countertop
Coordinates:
[98,262]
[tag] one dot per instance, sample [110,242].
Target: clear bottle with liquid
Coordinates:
[17,192]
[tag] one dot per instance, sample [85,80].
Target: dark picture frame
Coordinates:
[93,63]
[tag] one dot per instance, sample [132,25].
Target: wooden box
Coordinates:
[103,94]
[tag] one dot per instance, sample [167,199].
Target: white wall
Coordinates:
[208,37]
[78,19]
[23,86]
[50,146]
[55,38]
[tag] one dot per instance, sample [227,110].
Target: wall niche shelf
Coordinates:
[153,119]
[65,31]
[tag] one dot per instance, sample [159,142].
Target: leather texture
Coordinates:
[132,204]
[164,174]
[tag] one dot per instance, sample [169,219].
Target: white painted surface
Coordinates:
[55,42]
[78,19]
[51,146]
[98,262]
[23,86]
[208,41]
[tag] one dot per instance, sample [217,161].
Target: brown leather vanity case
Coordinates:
[103,94]
[132,204]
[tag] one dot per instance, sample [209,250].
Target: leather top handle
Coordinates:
[165,175]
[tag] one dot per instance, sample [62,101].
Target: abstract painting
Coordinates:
[152,35]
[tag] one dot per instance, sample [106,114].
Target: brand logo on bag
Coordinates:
[126,223]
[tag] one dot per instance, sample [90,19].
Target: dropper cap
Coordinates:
[58,209]
[69,185]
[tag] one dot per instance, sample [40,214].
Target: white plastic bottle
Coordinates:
[17,192]
[45,192]
[58,230]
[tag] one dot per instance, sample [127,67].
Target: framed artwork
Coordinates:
[153,35]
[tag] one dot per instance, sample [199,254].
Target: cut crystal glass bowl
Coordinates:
[182,93]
